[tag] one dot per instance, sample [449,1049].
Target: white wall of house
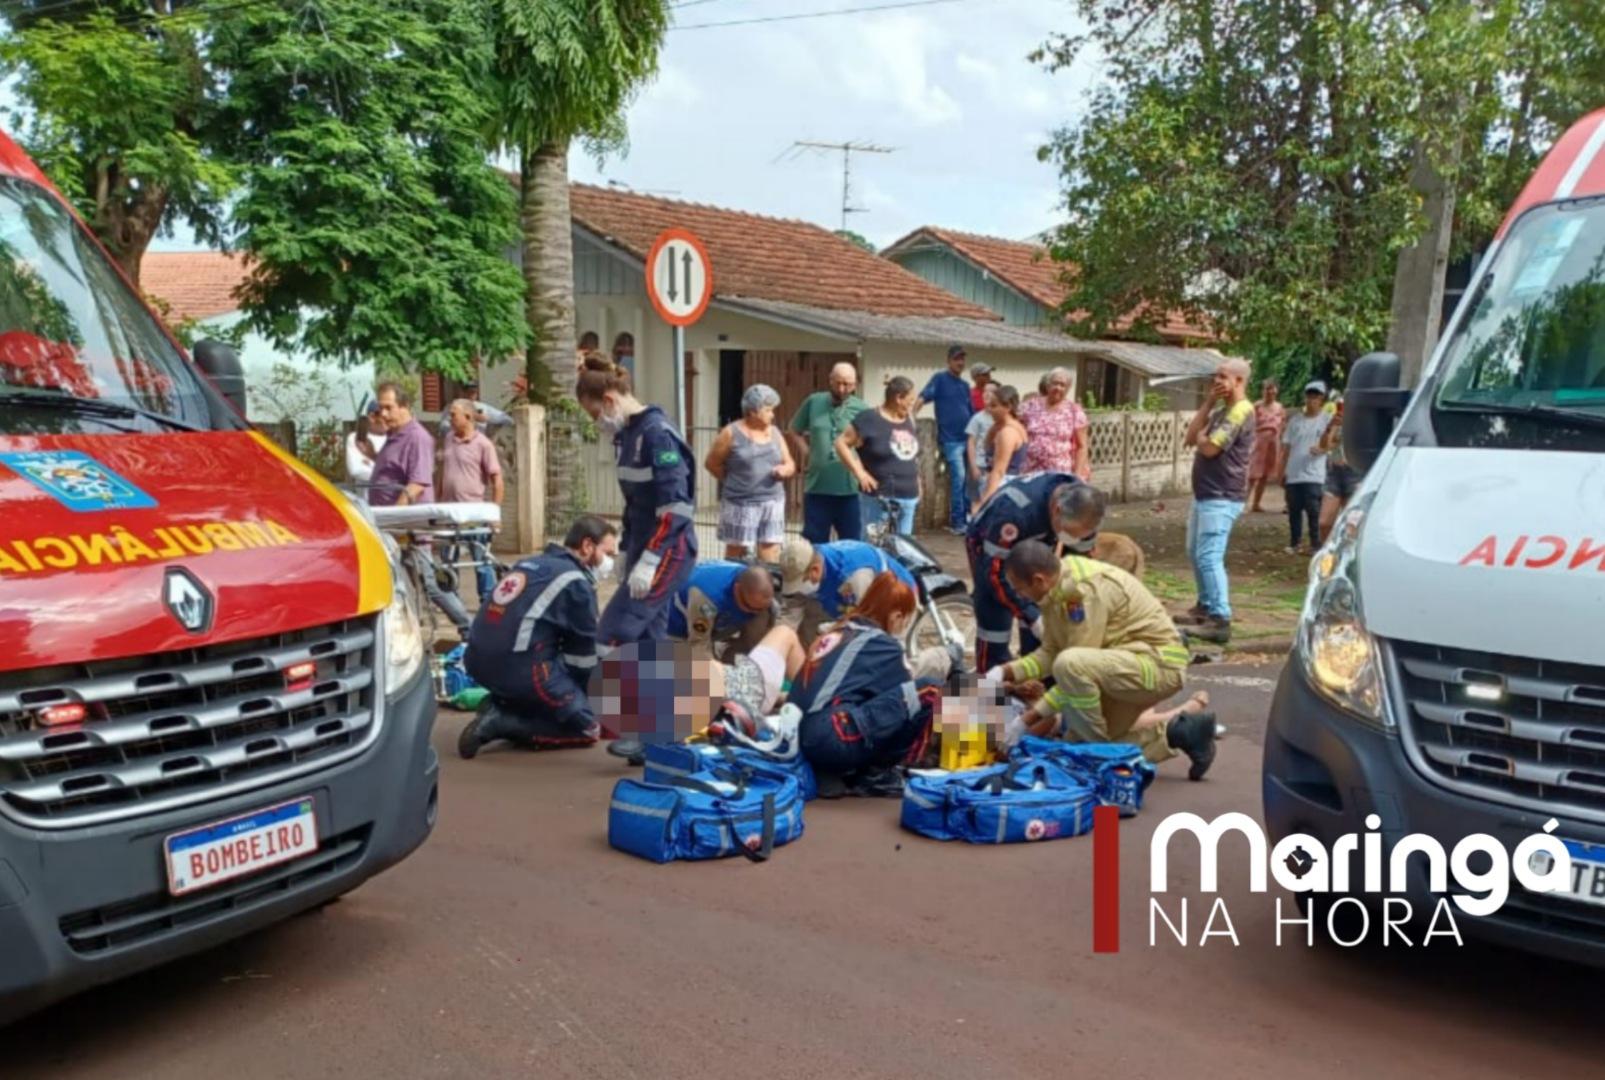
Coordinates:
[344,389]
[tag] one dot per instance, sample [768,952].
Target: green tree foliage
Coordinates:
[351,138]
[563,70]
[115,105]
[1249,161]
[857,239]
[377,229]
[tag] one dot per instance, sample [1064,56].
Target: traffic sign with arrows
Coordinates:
[679,277]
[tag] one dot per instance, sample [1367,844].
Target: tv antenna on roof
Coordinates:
[847,149]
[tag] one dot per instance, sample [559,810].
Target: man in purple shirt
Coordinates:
[404,471]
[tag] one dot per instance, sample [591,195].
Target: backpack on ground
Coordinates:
[709,815]
[1000,804]
[1117,771]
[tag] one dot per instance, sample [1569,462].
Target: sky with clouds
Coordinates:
[947,85]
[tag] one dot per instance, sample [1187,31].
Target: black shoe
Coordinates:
[831,785]
[1212,628]
[884,783]
[630,749]
[468,740]
[1194,735]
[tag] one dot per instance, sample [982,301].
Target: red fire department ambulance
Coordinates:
[213,706]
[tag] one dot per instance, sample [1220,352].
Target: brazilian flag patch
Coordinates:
[668,457]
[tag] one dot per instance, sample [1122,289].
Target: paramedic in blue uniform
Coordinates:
[659,486]
[722,600]
[837,574]
[533,644]
[1053,507]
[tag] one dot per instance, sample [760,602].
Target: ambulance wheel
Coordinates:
[955,614]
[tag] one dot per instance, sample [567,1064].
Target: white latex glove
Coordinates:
[995,674]
[1036,628]
[1014,727]
[640,581]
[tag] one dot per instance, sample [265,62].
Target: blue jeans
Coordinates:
[821,513]
[874,515]
[958,495]
[1209,527]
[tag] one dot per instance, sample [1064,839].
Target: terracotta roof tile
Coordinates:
[193,284]
[1026,268]
[769,258]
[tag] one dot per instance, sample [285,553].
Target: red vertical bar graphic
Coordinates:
[1106,879]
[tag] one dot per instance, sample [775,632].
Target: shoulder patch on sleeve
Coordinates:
[670,456]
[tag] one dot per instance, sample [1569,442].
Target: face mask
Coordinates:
[808,588]
[604,568]
[609,423]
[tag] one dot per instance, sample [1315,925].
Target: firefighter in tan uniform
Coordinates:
[1112,653]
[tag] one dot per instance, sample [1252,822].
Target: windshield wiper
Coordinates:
[55,399]
[1534,409]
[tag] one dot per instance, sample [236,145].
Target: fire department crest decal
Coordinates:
[76,480]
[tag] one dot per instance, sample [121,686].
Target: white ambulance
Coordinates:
[1449,674]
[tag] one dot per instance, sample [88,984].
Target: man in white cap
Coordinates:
[1301,468]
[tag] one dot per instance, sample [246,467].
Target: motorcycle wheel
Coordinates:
[953,615]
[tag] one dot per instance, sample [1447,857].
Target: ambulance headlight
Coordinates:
[1339,656]
[404,639]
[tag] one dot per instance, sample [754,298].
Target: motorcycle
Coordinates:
[944,614]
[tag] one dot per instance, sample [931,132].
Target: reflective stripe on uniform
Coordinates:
[635,474]
[526,625]
[1029,667]
[1150,672]
[911,697]
[995,551]
[1175,655]
[839,672]
[997,637]
[1018,497]
[579,661]
[676,509]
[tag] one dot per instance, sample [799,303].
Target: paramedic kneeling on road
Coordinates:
[836,574]
[1112,652]
[863,713]
[1053,507]
[723,600]
[533,644]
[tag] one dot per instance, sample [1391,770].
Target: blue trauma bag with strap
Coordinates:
[667,760]
[1117,771]
[705,816]
[1000,804]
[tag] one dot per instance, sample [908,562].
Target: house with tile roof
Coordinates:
[201,287]
[790,299]
[1018,282]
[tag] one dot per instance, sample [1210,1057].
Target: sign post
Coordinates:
[679,282]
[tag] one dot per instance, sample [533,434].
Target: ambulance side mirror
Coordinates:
[1372,404]
[221,363]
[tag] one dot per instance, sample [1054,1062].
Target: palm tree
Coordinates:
[565,69]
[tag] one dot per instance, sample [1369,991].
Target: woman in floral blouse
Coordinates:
[1057,427]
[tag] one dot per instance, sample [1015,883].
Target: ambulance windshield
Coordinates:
[1526,366]
[78,351]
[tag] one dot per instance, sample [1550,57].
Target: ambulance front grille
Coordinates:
[1514,729]
[178,728]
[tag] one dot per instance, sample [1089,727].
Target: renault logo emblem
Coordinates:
[187,600]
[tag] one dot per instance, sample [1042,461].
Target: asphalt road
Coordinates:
[516,943]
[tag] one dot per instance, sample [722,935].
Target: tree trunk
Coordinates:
[548,263]
[1418,278]
[127,223]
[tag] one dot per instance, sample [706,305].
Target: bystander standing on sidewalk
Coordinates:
[882,448]
[1341,478]
[1302,468]
[470,471]
[830,492]
[975,444]
[363,446]
[1222,434]
[404,471]
[750,460]
[1269,416]
[1057,426]
[954,407]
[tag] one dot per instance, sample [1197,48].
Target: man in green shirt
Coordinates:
[830,492]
